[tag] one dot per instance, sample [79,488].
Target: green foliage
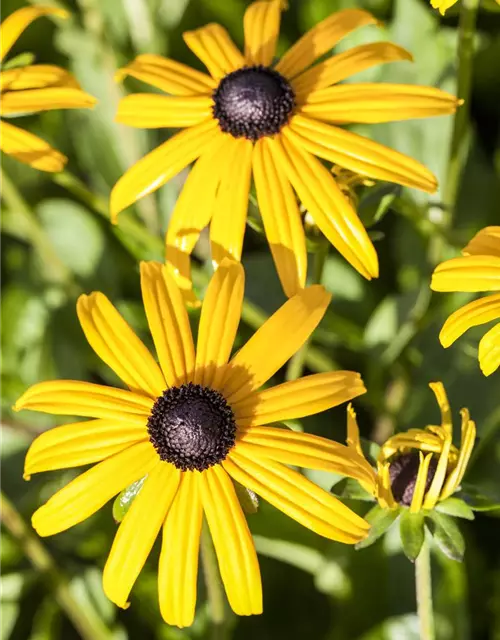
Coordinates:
[446,534]
[380,520]
[412,531]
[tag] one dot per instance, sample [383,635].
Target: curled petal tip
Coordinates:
[27,476]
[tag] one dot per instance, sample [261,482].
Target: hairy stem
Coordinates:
[423,583]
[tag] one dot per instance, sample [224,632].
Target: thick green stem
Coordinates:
[423,583]
[213,582]
[460,137]
[90,627]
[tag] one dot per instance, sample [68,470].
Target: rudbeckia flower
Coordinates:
[444,5]
[34,88]
[192,424]
[257,118]
[477,270]
[420,467]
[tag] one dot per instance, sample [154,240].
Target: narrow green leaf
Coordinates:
[478,501]
[455,507]
[446,535]
[377,202]
[248,499]
[350,489]
[124,500]
[380,520]
[412,531]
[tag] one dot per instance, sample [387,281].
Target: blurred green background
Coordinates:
[57,242]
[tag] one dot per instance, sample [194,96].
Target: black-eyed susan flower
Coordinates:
[444,5]
[477,270]
[255,118]
[191,424]
[34,88]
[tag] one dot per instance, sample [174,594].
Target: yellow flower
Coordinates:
[477,270]
[191,424]
[256,118]
[420,467]
[34,88]
[443,5]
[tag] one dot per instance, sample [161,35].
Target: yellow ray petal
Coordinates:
[281,218]
[489,351]
[45,99]
[220,317]
[85,495]
[192,214]
[151,111]
[467,444]
[213,46]
[286,330]
[117,345]
[352,439]
[473,314]
[298,398]
[297,497]
[444,406]
[138,531]
[168,75]
[231,205]
[304,450]
[359,154]
[346,64]
[384,490]
[442,5]
[75,398]
[486,242]
[233,542]
[168,323]
[74,445]
[16,23]
[432,495]
[162,164]
[262,26]
[470,273]
[411,439]
[30,149]
[330,209]
[421,481]
[321,39]
[36,76]
[178,570]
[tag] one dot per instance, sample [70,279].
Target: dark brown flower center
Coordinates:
[403,472]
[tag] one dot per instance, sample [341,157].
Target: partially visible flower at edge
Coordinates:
[34,88]
[444,5]
[477,270]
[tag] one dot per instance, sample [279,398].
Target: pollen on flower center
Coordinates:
[253,102]
[403,472]
[192,427]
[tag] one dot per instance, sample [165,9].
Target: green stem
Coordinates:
[90,627]
[213,582]
[423,583]
[460,136]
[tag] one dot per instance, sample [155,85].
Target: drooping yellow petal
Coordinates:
[233,542]
[33,100]
[152,111]
[74,445]
[36,76]
[138,531]
[444,405]
[358,154]
[178,570]
[214,47]
[384,490]
[486,243]
[262,26]
[329,208]
[346,64]
[433,493]
[376,102]
[75,398]
[297,497]
[421,439]
[286,330]
[298,398]
[473,314]
[352,439]
[281,217]
[469,273]
[168,75]
[489,351]
[321,39]
[85,495]
[16,23]
[304,450]
[118,346]
[467,444]
[420,482]
[30,149]
[168,323]
[220,317]
[162,164]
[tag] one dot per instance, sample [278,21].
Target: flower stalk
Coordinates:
[423,584]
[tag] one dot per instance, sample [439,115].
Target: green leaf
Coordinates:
[455,507]
[124,500]
[22,60]
[350,489]
[248,499]
[383,323]
[446,535]
[412,531]
[380,520]
[376,203]
[478,501]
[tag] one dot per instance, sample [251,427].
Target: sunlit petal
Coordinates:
[30,149]
[16,23]
[486,242]
[469,273]
[473,314]
[215,49]
[151,111]
[31,100]
[489,351]
[262,25]
[36,76]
